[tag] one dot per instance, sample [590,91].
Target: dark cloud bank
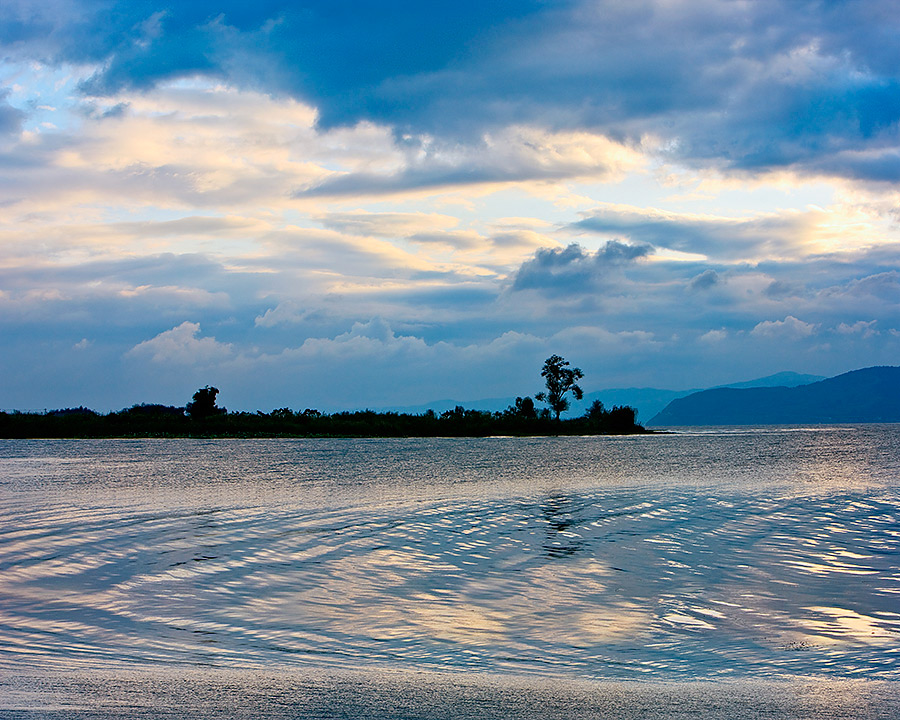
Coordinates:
[800,83]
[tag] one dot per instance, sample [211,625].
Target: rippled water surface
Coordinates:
[735,556]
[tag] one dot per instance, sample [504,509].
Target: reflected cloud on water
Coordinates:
[578,572]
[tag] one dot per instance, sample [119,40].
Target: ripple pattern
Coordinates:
[602,580]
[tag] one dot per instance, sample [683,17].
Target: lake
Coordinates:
[742,572]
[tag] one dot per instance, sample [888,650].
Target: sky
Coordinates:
[341,205]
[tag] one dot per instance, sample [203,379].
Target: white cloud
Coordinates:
[863,328]
[285,313]
[714,336]
[591,339]
[181,346]
[512,156]
[790,327]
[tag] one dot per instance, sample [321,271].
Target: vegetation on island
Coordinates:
[202,417]
[560,380]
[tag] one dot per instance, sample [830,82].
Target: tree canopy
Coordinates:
[560,380]
[203,404]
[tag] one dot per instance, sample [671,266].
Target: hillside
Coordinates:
[867,395]
[647,401]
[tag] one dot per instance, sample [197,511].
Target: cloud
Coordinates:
[776,236]
[459,240]
[690,73]
[433,229]
[789,328]
[574,269]
[285,313]
[714,336]
[594,339]
[197,146]
[705,280]
[863,328]
[884,287]
[186,227]
[516,154]
[326,194]
[373,365]
[779,289]
[10,118]
[181,346]
[388,224]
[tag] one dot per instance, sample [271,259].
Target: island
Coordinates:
[203,418]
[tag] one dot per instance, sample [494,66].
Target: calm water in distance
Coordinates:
[706,573]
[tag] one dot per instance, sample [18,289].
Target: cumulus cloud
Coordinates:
[883,286]
[375,329]
[863,328]
[789,328]
[285,313]
[779,289]
[181,346]
[714,336]
[704,281]
[573,269]
[594,339]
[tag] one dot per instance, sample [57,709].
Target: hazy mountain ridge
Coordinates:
[782,379]
[648,401]
[866,395]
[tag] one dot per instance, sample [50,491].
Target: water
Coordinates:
[716,573]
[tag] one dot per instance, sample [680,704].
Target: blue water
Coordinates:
[704,567]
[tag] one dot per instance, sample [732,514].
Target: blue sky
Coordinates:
[342,205]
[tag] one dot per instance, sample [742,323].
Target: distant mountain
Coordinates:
[867,395]
[782,379]
[648,401]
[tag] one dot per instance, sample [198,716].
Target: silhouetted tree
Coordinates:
[80,410]
[524,408]
[151,409]
[560,380]
[204,403]
[621,419]
[596,411]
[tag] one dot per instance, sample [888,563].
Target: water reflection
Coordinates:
[579,576]
[560,513]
